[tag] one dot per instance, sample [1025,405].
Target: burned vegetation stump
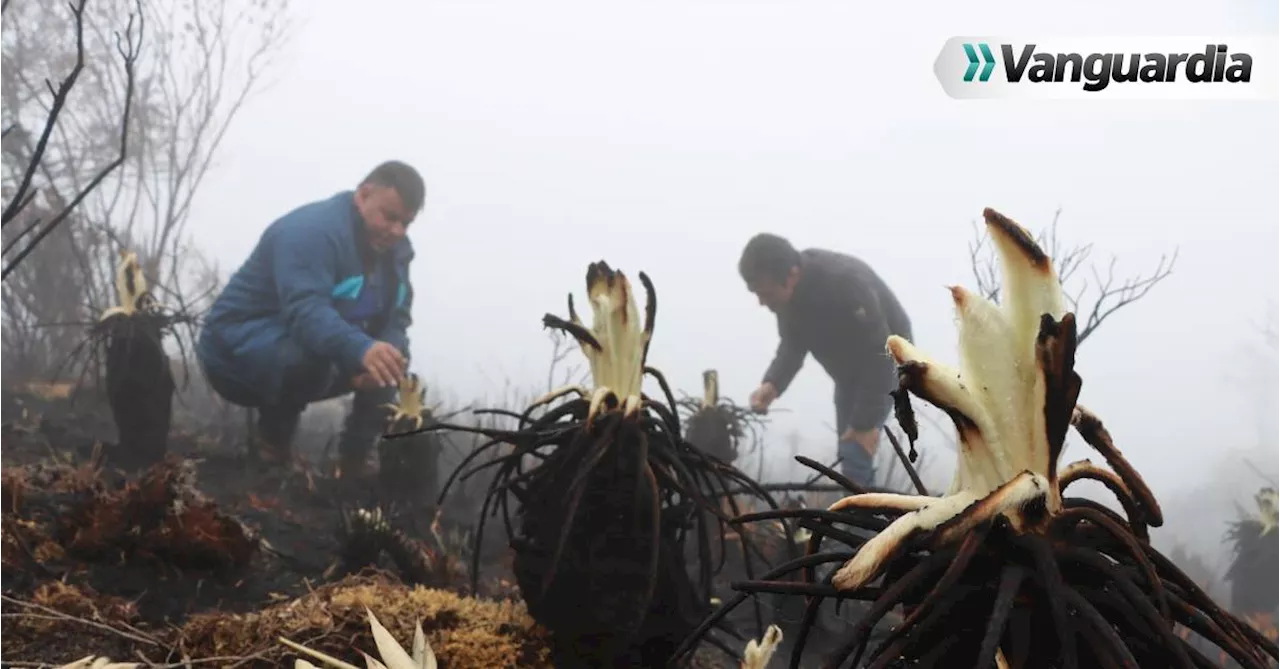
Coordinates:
[606,494]
[407,466]
[129,341]
[1256,554]
[713,426]
[1005,570]
[719,428]
[364,536]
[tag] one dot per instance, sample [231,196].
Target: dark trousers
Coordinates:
[304,380]
[303,385]
[862,413]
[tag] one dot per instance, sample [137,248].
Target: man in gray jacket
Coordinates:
[833,306]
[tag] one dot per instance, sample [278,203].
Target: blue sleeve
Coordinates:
[396,332]
[304,269]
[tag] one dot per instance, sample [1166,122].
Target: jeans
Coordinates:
[307,379]
[856,462]
[363,425]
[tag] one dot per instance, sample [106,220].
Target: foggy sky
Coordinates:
[661,136]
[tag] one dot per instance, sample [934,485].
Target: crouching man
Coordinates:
[833,306]
[320,309]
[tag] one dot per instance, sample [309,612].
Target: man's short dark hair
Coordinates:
[768,256]
[404,179]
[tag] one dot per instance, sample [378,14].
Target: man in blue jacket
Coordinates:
[320,309]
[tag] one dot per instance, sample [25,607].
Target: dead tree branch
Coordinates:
[132,186]
[128,46]
[1107,294]
[561,348]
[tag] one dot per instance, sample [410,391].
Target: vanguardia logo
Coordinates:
[1099,70]
[1144,67]
[988,62]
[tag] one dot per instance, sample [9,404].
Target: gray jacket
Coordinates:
[842,313]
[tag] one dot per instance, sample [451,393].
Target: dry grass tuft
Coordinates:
[82,601]
[464,632]
[49,391]
[162,516]
[62,622]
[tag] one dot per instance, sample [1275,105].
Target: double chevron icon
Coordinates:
[988,61]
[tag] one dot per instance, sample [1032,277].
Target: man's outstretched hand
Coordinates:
[384,363]
[763,397]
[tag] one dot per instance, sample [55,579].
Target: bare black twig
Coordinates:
[561,348]
[906,461]
[202,63]
[128,45]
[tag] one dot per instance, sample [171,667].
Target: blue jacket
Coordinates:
[299,290]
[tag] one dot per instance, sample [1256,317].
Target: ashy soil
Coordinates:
[206,533]
[208,555]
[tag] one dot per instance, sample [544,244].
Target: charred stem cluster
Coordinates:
[407,468]
[129,342]
[717,425]
[608,492]
[1085,593]
[1003,571]
[139,382]
[1256,547]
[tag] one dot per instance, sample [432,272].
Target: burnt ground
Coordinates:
[207,532]
[53,447]
[105,558]
[213,556]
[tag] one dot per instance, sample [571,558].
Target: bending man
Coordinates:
[320,309]
[833,306]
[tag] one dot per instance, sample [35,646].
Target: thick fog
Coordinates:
[661,136]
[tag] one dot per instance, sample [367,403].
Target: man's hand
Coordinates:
[763,397]
[384,363]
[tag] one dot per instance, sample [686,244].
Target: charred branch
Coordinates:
[128,46]
[1097,297]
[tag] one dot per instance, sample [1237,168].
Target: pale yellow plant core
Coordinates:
[998,393]
[131,287]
